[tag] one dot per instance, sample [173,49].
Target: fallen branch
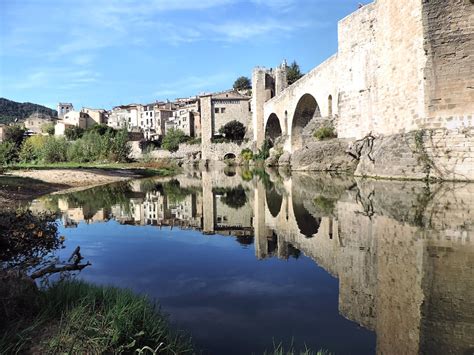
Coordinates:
[76,257]
[359,146]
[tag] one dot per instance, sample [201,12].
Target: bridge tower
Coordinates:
[266,83]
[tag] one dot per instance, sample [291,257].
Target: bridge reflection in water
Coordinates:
[403,252]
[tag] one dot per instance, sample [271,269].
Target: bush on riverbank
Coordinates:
[91,147]
[76,317]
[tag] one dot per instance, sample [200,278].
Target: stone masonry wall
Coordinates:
[449,70]
[443,154]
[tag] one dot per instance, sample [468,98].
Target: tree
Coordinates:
[293,73]
[48,128]
[172,139]
[242,83]
[15,134]
[233,130]
[73,133]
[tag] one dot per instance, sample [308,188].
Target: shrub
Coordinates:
[54,150]
[15,134]
[32,148]
[246,154]
[173,139]
[232,197]
[48,128]
[73,133]
[325,133]
[264,151]
[233,130]
[8,153]
[120,148]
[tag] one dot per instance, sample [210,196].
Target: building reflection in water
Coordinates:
[403,251]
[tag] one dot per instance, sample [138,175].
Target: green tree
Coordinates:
[73,133]
[233,130]
[242,83]
[293,73]
[8,153]
[120,148]
[15,134]
[172,139]
[48,128]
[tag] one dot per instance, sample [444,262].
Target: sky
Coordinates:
[103,53]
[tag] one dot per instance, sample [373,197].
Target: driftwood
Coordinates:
[358,146]
[76,265]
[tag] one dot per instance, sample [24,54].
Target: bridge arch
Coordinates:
[307,223]
[273,128]
[306,109]
[274,200]
[229,156]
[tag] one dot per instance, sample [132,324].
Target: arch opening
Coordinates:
[274,200]
[306,109]
[307,223]
[273,128]
[229,156]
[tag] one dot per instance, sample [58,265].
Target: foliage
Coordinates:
[247,175]
[174,192]
[26,238]
[11,110]
[48,128]
[232,197]
[242,83]
[325,132]
[15,134]
[73,133]
[233,130]
[293,73]
[280,349]
[173,138]
[79,318]
[246,154]
[54,150]
[32,148]
[264,151]
[8,153]
[102,129]
[325,205]
[194,141]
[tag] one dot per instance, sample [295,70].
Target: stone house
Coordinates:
[125,116]
[187,116]
[220,108]
[153,118]
[36,121]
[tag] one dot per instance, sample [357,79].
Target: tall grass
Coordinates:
[77,317]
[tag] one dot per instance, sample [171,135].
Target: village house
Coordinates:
[187,116]
[125,116]
[36,122]
[153,119]
[2,132]
[84,119]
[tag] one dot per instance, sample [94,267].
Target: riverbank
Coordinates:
[24,181]
[73,316]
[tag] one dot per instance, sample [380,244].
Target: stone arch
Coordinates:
[273,128]
[274,200]
[306,109]
[307,223]
[229,156]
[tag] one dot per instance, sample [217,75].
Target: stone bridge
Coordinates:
[381,80]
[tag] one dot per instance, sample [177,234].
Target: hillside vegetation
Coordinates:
[11,110]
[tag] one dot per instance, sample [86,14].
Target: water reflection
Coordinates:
[402,252]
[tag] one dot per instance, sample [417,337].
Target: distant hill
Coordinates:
[11,110]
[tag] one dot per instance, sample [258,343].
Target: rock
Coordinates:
[328,155]
[284,159]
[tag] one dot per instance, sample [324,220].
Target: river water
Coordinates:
[242,259]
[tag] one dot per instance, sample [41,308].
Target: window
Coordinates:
[216,110]
[223,110]
[151,114]
[129,119]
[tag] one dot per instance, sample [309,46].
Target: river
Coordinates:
[243,259]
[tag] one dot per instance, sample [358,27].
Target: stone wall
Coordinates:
[442,154]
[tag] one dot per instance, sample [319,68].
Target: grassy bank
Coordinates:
[76,317]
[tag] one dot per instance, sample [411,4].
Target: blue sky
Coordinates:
[102,53]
